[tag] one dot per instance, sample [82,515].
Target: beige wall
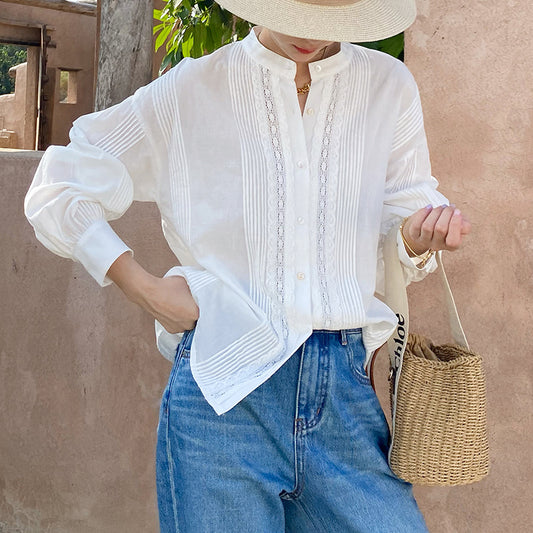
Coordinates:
[474,67]
[80,379]
[13,106]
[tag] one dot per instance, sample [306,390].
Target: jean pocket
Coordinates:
[357,357]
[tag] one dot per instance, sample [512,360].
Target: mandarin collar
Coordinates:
[287,67]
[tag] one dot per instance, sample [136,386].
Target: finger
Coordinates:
[428,226]
[441,228]
[453,238]
[414,223]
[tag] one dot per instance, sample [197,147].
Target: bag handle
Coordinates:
[396,299]
[456,327]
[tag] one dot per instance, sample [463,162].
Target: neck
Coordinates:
[302,67]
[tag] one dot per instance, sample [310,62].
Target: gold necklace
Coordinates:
[307,87]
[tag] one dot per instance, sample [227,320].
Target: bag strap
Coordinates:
[396,299]
[456,327]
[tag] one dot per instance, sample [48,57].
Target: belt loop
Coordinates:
[344,339]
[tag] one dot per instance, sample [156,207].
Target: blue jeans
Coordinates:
[304,452]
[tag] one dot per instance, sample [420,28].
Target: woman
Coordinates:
[278,164]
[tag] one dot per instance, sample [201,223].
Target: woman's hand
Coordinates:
[168,300]
[435,228]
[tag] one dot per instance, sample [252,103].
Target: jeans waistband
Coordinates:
[342,333]
[339,331]
[186,340]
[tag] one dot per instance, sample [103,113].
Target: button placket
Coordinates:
[301,231]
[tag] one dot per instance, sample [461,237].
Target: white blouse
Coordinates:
[278,218]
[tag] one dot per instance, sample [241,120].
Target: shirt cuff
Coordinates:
[411,262]
[97,250]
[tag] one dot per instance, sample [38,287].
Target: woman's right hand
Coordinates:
[168,300]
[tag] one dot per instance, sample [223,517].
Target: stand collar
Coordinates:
[286,67]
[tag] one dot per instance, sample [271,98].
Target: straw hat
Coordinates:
[328,20]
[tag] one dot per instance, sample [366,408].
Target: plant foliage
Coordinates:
[193,29]
[10,55]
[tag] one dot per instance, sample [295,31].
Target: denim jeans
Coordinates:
[304,452]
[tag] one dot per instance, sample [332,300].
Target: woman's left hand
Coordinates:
[436,228]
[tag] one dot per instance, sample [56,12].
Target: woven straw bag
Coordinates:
[438,398]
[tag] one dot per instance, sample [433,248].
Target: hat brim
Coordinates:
[363,21]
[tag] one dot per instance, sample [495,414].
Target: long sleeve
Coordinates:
[77,189]
[409,184]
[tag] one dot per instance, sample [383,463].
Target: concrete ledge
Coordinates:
[16,153]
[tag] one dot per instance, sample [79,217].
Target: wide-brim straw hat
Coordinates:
[328,20]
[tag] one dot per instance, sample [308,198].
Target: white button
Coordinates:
[328,323]
[300,164]
[300,220]
[310,111]
[300,275]
[318,68]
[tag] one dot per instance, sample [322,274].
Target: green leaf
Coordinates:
[393,45]
[162,37]
[195,50]
[197,28]
[187,42]
[209,42]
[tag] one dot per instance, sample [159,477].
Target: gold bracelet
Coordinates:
[425,257]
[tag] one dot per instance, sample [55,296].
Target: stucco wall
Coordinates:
[475,74]
[19,109]
[80,379]
[12,106]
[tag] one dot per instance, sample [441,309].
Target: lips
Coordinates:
[303,50]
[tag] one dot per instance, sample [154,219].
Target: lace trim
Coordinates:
[324,178]
[278,197]
[222,374]
[223,387]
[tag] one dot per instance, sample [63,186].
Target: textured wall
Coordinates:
[473,64]
[80,379]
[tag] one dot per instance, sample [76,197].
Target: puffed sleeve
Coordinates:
[110,161]
[409,183]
